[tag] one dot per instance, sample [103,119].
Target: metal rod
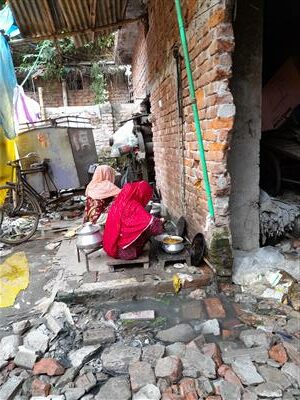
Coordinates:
[194,106]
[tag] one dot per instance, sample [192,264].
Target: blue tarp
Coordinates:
[7,22]
[8,82]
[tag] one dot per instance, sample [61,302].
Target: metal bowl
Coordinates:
[173,248]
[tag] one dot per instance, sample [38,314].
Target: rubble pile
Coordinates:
[80,353]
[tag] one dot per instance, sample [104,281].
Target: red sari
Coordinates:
[128,222]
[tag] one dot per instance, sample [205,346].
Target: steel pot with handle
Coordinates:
[89,237]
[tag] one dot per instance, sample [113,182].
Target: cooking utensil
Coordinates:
[181,227]
[89,237]
[197,250]
[173,248]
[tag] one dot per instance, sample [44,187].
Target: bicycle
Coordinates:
[21,206]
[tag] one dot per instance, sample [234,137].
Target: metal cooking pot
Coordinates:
[89,237]
[175,247]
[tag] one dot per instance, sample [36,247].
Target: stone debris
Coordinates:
[81,356]
[179,333]
[25,358]
[255,337]
[246,371]
[138,315]
[36,341]
[115,388]
[10,387]
[148,392]
[94,355]
[268,390]
[141,374]
[9,346]
[153,352]
[103,335]
[117,358]
[169,368]
[20,327]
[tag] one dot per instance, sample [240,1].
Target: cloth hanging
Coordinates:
[8,82]
[25,108]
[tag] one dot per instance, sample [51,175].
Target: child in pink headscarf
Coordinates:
[100,192]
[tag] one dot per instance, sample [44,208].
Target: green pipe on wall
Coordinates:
[194,106]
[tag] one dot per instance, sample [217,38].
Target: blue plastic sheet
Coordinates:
[7,22]
[8,82]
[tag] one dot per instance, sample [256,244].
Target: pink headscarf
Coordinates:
[127,218]
[102,186]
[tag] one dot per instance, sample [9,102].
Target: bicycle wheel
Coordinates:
[19,215]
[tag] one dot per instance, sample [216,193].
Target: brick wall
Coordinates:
[118,90]
[178,171]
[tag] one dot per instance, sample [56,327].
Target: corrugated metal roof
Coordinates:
[41,19]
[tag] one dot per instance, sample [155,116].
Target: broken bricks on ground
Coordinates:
[71,355]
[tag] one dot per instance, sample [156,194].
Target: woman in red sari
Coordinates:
[100,193]
[129,226]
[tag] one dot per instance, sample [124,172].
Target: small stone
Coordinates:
[193,358]
[152,353]
[278,354]
[204,387]
[255,337]
[245,298]
[169,368]
[48,366]
[230,391]
[197,294]
[214,398]
[212,350]
[257,354]
[112,315]
[268,390]
[10,388]
[37,341]
[100,336]
[292,370]
[274,375]
[53,324]
[190,373]
[246,371]
[83,355]
[40,388]
[3,363]
[178,333]
[67,377]
[74,393]
[148,392]
[141,374]
[229,375]
[273,364]
[138,315]
[25,358]
[249,395]
[187,389]
[20,327]
[293,325]
[292,346]
[210,327]
[192,310]
[214,308]
[115,388]
[162,384]
[9,346]
[86,381]
[176,349]
[118,357]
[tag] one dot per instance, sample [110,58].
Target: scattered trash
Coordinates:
[52,246]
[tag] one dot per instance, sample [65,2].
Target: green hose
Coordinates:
[194,106]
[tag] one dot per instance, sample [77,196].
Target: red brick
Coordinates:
[212,350]
[278,353]
[39,388]
[48,366]
[214,308]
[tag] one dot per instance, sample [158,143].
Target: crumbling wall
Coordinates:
[178,170]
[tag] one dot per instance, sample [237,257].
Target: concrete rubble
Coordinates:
[90,354]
